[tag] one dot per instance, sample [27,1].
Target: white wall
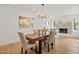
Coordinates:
[8,24]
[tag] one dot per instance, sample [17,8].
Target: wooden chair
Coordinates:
[51,39]
[26,45]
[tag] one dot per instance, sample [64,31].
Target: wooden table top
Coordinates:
[32,36]
[35,37]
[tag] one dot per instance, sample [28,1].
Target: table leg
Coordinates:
[40,47]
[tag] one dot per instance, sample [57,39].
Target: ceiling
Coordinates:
[52,9]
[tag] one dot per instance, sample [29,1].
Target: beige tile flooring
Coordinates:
[62,46]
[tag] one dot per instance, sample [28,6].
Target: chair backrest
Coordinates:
[36,31]
[22,38]
[43,32]
[52,36]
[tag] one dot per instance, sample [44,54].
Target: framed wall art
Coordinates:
[25,22]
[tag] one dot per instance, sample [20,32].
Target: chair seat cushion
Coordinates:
[29,45]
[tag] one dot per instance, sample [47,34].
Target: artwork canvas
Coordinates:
[25,22]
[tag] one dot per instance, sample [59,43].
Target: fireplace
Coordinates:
[63,30]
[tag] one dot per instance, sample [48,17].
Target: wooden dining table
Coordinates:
[34,38]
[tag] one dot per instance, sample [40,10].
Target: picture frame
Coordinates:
[25,22]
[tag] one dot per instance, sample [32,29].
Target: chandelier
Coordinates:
[42,14]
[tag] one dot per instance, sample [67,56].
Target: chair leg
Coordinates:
[21,50]
[52,45]
[48,47]
[36,49]
[44,43]
[25,51]
[31,48]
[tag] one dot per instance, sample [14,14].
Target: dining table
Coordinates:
[39,38]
